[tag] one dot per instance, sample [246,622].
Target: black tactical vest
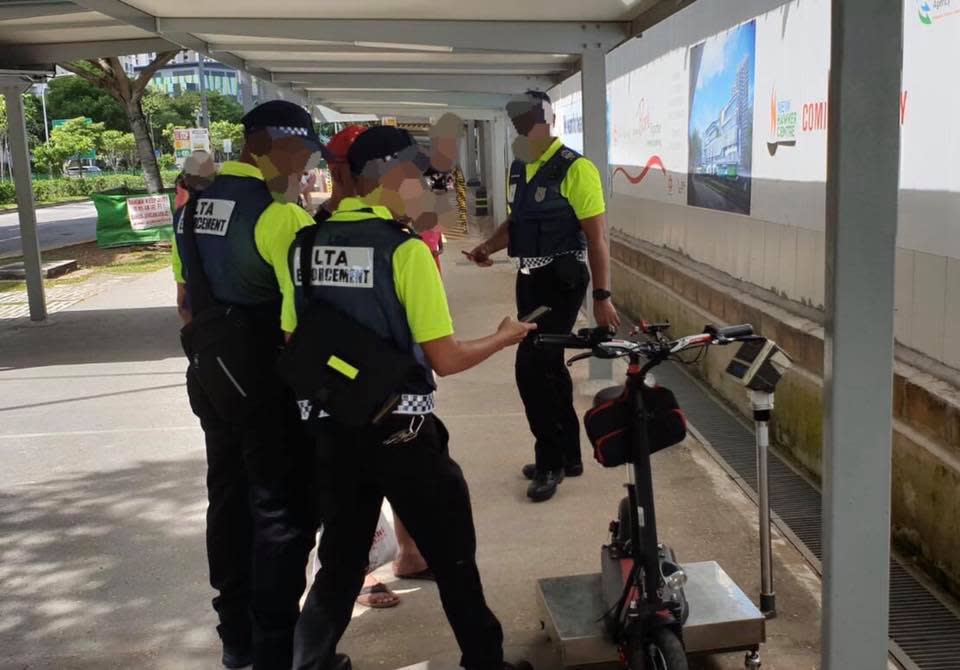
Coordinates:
[542,221]
[351,268]
[227,213]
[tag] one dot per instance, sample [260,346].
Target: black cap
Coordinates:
[383,142]
[282,119]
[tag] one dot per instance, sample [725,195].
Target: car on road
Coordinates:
[83,171]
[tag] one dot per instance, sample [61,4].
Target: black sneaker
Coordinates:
[236,657]
[544,485]
[341,662]
[575,470]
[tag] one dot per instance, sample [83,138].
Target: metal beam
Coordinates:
[521,36]
[13,89]
[400,67]
[350,48]
[481,83]
[654,15]
[68,25]
[22,10]
[121,11]
[23,54]
[423,112]
[479,100]
[863,160]
[594,101]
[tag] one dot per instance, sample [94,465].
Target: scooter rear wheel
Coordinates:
[663,651]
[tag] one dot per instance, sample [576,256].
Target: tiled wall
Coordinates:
[790,261]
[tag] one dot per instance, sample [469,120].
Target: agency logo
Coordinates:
[654,163]
[783,124]
[930,11]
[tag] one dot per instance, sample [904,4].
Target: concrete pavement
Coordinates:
[60,226]
[102,501]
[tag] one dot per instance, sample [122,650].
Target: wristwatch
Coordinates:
[601,294]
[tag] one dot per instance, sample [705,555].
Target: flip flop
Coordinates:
[426,575]
[378,589]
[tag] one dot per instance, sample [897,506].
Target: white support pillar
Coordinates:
[497,179]
[202,78]
[862,187]
[30,243]
[246,91]
[470,158]
[483,141]
[593,75]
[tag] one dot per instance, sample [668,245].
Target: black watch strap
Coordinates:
[601,294]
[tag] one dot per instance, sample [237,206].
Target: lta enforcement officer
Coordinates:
[230,257]
[393,289]
[556,226]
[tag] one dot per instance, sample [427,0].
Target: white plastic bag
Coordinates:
[383,548]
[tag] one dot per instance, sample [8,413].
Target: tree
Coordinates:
[70,97]
[33,118]
[119,147]
[109,75]
[225,130]
[74,138]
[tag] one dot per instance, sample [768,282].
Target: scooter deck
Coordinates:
[722,617]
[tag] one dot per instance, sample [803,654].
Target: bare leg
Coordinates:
[409,560]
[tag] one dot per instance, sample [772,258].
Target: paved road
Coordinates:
[59,226]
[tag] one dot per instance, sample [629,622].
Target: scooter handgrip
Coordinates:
[566,341]
[733,332]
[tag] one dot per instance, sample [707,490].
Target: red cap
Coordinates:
[341,142]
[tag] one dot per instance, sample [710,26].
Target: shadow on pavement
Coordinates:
[107,570]
[92,336]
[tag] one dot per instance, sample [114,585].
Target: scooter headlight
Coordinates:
[676,580]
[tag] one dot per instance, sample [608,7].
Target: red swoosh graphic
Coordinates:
[654,162]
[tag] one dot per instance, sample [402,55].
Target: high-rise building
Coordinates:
[182,74]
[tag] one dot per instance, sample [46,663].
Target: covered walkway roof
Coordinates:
[370,56]
[427,57]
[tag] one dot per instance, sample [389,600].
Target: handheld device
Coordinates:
[536,314]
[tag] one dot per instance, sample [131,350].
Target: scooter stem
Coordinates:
[762,407]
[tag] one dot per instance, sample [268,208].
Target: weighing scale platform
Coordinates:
[722,617]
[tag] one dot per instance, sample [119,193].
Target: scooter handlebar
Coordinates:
[731,332]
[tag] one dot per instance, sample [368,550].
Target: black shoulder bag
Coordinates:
[339,365]
[221,342]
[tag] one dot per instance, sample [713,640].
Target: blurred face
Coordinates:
[343,184]
[398,185]
[443,152]
[282,161]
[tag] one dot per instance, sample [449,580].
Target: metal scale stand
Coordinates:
[722,617]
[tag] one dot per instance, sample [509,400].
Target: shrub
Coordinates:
[52,190]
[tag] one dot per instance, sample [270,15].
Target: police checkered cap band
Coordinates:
[289,130]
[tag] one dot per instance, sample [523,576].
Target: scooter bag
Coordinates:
[343,368]
[608,424]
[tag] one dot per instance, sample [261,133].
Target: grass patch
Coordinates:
[93,260]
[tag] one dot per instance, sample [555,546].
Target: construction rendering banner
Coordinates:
[732,116]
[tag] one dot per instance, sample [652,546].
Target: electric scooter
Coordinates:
[642,582]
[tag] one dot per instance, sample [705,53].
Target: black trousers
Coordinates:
[542,376]
[258,529]
[427,490]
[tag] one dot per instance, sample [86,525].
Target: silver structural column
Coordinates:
[593,74]
[470,155]
[483,156]
[246,91]
[497,188]
[202,77]
[862,183]
[30,243]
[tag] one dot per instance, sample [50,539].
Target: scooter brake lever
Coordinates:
[579,357]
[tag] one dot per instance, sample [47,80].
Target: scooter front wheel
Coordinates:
[663,651]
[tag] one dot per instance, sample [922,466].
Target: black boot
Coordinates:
[544,485]
[575,470]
